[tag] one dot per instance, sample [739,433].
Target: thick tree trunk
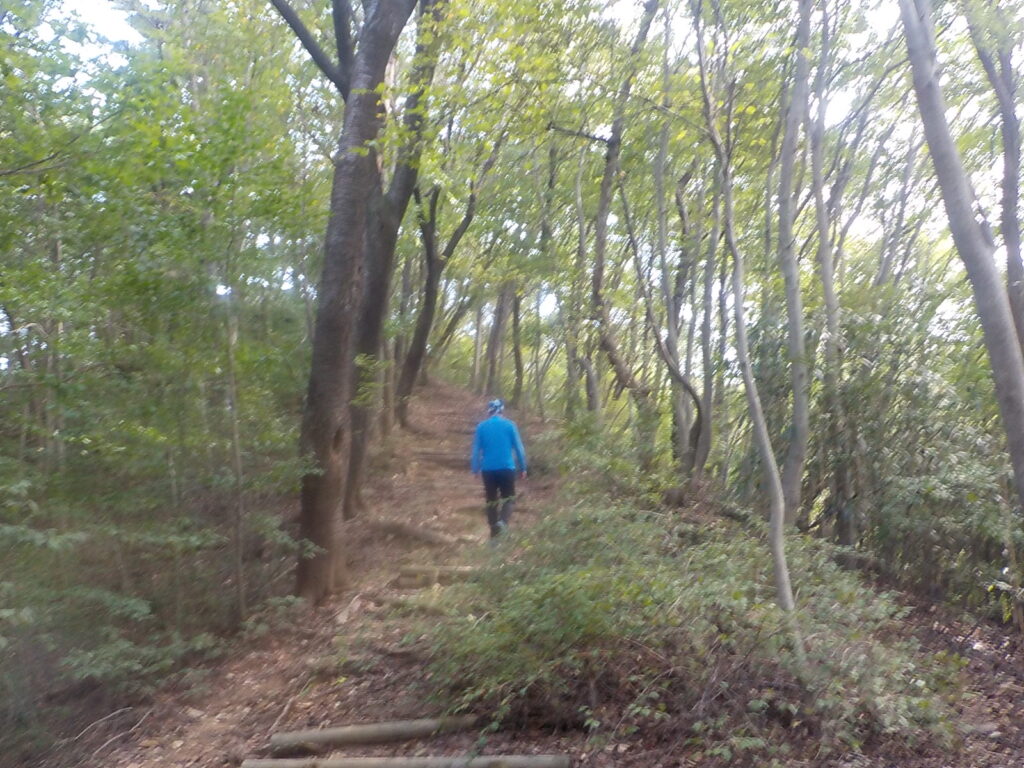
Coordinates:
[382,236]
[972,243]
[326,423]
[386,212]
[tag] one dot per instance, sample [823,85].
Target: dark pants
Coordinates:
[500,492]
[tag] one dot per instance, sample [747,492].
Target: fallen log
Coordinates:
[490,761]
[398,528]
[316,739]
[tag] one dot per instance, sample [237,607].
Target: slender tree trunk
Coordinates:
[772,479]
[835,455]
[475,382]
[238,517]
[972,242]
[646,408]
[708,364]
[401,345]
[496,341]
[999,69]
[795,107]
[517,352]
[386,382]
[418,346]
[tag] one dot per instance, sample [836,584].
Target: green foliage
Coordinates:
[150,201]
[604,621]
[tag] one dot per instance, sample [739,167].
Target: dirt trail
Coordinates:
[346,661]
[350,661]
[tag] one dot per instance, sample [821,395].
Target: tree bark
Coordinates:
[704,438]
[836,456]
[493,761]
[975,248]
[317,739]
[517,352]
[496,340]
[772,480]
[999,70]
[795,109]
[641,393]
[478,323]
[326,423]
[381,237]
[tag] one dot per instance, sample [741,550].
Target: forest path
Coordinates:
[345,662]
[351,661]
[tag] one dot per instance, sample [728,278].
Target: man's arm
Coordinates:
[474,456]
[517,446]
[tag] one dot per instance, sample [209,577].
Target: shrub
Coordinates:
[605,621]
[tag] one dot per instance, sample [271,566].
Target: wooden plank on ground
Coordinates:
[489,761]
[317,739]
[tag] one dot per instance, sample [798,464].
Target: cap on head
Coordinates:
[495,407]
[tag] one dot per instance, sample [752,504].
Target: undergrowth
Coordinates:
[621,620]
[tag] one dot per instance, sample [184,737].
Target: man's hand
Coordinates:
[522,475]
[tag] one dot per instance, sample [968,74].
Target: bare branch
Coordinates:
[578,134]
[333,71]
[341,12]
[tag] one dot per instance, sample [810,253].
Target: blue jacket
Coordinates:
[497,445]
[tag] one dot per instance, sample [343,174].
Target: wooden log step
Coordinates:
[425,575]
[490,761]
[317,739]
[445,570]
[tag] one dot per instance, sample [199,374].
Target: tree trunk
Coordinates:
[380,239]
[836,457]
[762,439]
[475,382]
[418,346]
[517,352]
[641,394]
[708,395]
[238,514]
[496,341]
[796,453]
[972,243]
[326,423]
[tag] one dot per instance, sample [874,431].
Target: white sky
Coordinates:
[105,19]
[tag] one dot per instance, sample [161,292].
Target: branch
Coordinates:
[467,217]
[577,134]
[340,77]
[666,354]
[341,12]
[425,57]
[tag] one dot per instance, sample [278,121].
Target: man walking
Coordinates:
[497,448]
